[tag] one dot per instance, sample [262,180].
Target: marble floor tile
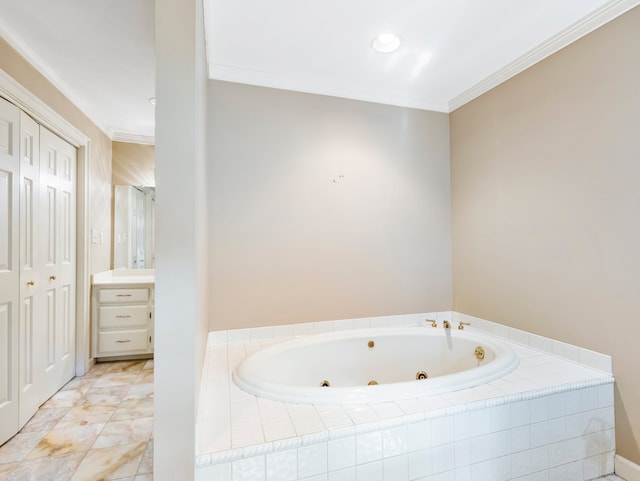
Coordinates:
[110,463]
[88,431]
[140,391]
[45,419]
[127,366]
[17,448]
[133,408]
[118,433]
[65,441]
[64,399]
[59,468]
[146,464]
[82,384]
[106,395]
[116,379]
[5,469]
[86,414]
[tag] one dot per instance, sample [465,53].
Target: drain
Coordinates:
[372,383]
[325,383]
[371,344]
[421,375]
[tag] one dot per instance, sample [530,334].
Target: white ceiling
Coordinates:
[100,53]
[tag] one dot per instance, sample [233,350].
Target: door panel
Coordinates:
[57,183]
[31,286]
[9,269]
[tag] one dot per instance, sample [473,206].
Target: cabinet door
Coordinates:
[9,269]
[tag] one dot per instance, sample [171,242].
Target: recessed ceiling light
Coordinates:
[152,101]
[386,43]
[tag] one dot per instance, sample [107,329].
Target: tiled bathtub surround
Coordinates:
[550,419]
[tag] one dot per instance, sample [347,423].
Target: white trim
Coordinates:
[134,138]
[49,118]
[626,469]
[25,52]
[604,14]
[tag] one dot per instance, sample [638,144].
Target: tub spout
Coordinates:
[446,324]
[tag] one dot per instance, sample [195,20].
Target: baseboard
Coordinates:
[626,469]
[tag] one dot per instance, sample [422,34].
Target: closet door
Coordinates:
[9,269]
[57,241]
[32,287]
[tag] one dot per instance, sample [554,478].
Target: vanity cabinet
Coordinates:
[122,320]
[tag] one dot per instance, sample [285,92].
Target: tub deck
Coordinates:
[549,416]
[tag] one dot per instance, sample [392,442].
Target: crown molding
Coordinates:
[133,138]
[588,24]
[7,34]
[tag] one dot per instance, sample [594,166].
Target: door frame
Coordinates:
[17,94]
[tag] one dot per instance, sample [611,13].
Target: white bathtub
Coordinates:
[294,370]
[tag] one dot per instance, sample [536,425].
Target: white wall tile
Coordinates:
[420,463]
[249,469]
[566,351]
[596,360]
[480,449]
[396,467]
[540,457]
[370,471]
[501,469]
[442,430]
[462,453]
[342,453]
[348,474]
[312,460]
[418,435]
[520,464]
[282,465]
[520,439]
[394,441]
[500,443]
[481,471]
[368,447]
[443,458]
[215,472]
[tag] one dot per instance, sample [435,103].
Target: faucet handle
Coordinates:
[462,324]
[432,322]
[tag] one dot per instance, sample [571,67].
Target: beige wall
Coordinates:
[324,208]
[133,164]
[546,205]
[100,155]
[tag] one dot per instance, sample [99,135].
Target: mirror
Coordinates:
[133,227]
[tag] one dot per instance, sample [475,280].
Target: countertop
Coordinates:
[124,277]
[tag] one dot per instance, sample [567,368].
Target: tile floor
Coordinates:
[97,427]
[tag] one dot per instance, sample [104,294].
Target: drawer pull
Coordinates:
[123,295]
[124,341]
[123,316]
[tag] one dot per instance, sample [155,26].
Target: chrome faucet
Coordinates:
[446,324]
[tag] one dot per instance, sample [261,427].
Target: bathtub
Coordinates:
[374,365]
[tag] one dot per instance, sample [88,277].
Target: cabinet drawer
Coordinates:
[123,295]
[110,317]
[122,341]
